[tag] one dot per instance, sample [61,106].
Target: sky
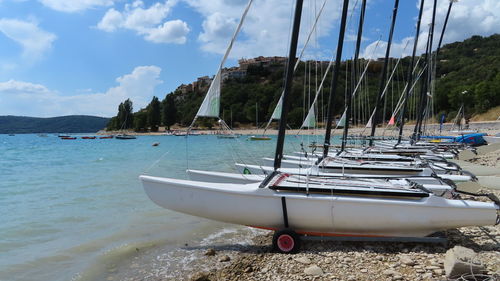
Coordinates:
[61,57]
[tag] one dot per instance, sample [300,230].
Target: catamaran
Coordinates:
[294,205]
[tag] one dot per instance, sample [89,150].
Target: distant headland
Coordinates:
[62,124]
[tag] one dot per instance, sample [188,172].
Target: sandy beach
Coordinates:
[253,259]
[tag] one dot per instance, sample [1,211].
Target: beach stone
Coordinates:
[427,276]
[460,260]
[397,277]
[407,260]
[438,271]
[200,276]
[303,260]
[224,258]
[210,252]
[364,270]
[390,272]
[432,267]
[313,270]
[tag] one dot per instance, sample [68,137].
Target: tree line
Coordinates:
[155,114]
[471,66]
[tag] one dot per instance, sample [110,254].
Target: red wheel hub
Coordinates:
[285,243]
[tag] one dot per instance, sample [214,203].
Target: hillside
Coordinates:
[471,66]
[63,124]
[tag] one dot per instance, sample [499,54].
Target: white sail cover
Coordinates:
[310,121]
[210,106]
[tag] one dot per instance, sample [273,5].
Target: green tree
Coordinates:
[140,121]
[127,117]
[169,111]
[154,114]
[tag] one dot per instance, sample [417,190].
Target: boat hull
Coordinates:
[421,179]
[247,204]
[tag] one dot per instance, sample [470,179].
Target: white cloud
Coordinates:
[34,40]
[111,21]
[29,99]
[377,49]
[266,30]
[71,6]
[148,22]
[467,18]
[170,32]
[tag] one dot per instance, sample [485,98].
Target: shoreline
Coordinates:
[489,127]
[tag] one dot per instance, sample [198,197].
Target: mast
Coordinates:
[256,116]
[384,72]
[336,70]
[444,27]
[409,79]
[355,64]
[423,90]
[288,85]
[429,70]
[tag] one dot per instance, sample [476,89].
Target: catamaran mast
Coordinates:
[409,79]
[355,72]
[384,73]
[336,70]
[288,84]
[444,27]
[429,72]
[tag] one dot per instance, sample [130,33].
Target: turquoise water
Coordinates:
[68,206]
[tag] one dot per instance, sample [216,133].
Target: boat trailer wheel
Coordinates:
[286,241]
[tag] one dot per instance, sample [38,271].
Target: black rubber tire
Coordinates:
[286,241]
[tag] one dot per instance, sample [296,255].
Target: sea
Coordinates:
[76,210]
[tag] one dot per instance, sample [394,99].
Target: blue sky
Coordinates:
[60,57]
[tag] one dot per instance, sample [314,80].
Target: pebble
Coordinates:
[390,272]
[303,260]
[313,270]
[210,252]
[406,260]
[224,258]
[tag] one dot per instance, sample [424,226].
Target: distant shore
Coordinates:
[488,127]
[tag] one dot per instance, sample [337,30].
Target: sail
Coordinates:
[369,123]
[392,121]
[341,122]
[277,110]
[310,121]
[211,104]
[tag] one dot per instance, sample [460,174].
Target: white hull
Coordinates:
[317,213]
[222,177]
[261,170]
